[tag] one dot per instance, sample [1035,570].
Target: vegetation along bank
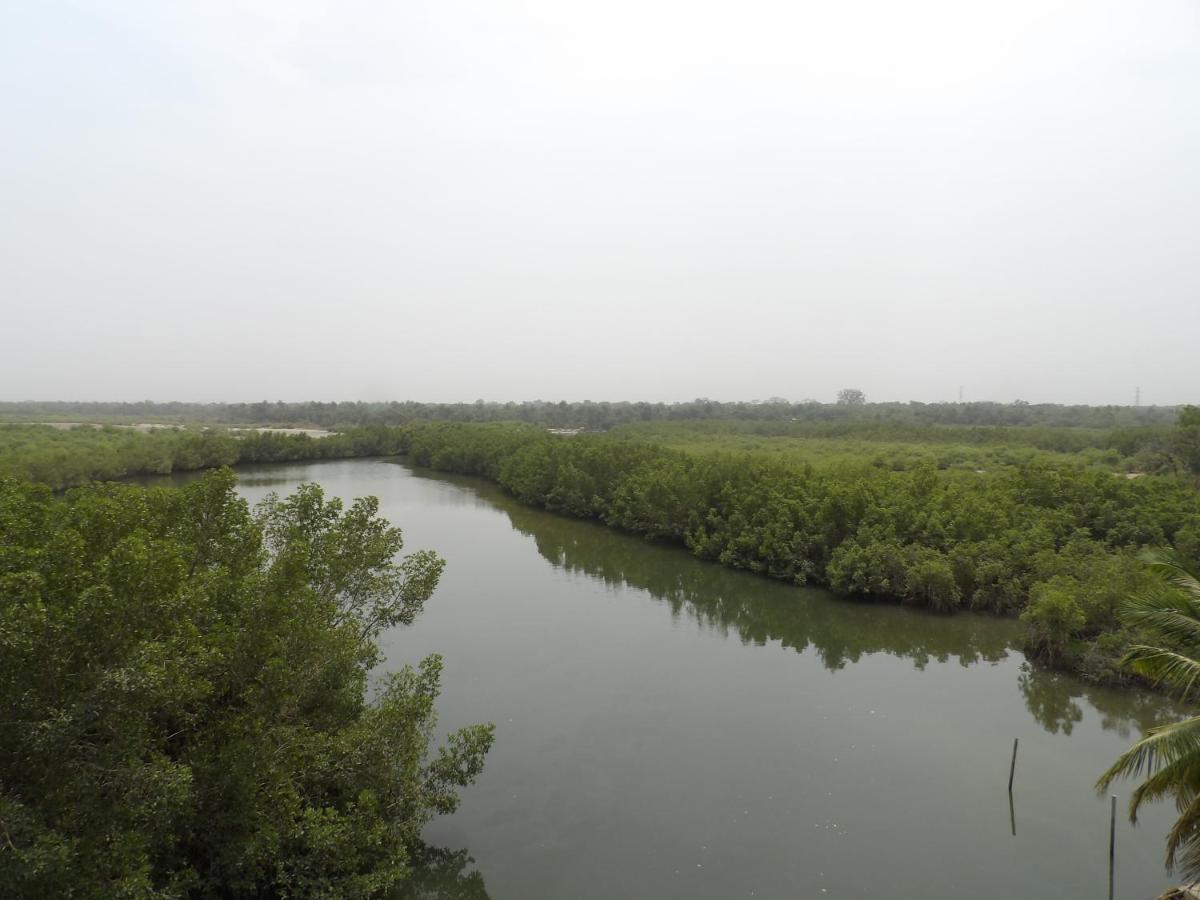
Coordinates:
[1055,544]
[1040,522]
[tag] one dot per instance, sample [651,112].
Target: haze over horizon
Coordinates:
[553,399]
[653,201]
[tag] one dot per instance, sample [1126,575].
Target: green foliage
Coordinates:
[931,583]
[1053,618]
[876,568]
[1185,441]
[183,687]
[65,458]
[1168,615]
[902,446]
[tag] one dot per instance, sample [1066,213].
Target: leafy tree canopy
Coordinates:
[184,696]
[851,397]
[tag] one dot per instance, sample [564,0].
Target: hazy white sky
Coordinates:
[660,199]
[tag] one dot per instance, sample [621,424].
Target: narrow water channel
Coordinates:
[668,728]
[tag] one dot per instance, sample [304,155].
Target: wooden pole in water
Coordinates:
[1013,767]
[1112,845]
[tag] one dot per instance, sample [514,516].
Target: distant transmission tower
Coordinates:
[960,393]
[1137,396]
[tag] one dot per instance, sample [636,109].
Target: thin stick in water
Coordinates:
[1112,845]
[1012,768]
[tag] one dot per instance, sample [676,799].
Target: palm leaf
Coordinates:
[1170,614]
[1165,667]
[1162,746]
[1168,756]
[1185,834]
[1169,780]
[1174,568]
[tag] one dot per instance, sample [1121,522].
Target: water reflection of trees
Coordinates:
[1056,700]
[756,609]
[266,480]
[440,874]
[839,631]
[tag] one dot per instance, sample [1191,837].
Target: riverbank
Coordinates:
[1055,545]
[68,457]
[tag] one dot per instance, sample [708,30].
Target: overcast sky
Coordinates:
[634,199]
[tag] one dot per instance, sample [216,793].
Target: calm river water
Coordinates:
[668,728]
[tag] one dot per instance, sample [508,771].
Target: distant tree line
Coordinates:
[1144,448]
[596,415]
[66,458]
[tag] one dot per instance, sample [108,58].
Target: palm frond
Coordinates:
[1185,835]
[1170,614]
[1168,756]
[1174,568]
[1162,746]
[1179,778]
[1165,667]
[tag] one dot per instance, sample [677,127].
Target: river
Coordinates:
[667,728]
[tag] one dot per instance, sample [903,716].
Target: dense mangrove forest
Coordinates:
[184,695]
